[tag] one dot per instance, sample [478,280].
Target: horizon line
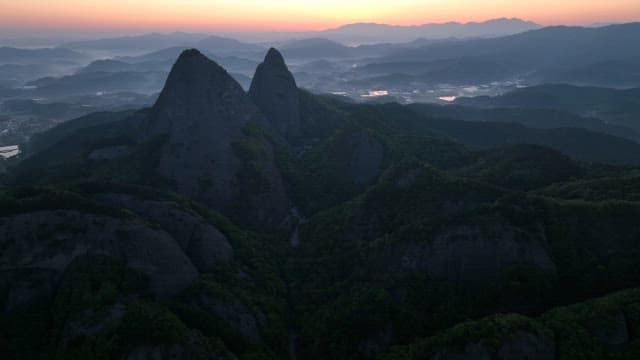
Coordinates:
[152,30]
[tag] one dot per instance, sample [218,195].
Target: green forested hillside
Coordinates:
[199,229]
[596,329]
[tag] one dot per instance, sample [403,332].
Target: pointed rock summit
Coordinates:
[274,57]
[209,153]
[275,92]
[196,83]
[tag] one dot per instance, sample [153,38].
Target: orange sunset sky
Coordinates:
[281,15]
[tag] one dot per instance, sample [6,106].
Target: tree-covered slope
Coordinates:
[605,328]
[214,226]
[616,106]
[114,271]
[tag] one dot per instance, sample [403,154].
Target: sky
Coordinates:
[294,15]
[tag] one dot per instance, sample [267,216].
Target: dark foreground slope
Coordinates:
[217,226]
[604,328]
[421,250]
[122,272]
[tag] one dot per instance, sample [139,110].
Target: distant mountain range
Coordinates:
[12,55]
[373,33]
[367,33]
[543,47]
[577,55]
[351,34]
[138,44]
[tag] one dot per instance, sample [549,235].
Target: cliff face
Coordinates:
[275,92]
[205,245]
[476,255]
[159,238]
[51,240]
[104,260]
[364,155]
[209,120]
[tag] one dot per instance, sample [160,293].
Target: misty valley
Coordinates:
[445,191]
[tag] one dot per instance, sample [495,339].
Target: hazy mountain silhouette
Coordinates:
[552,46]
[167,56]
[537,55]
[222,46]
[48,56]
[152,42]
[315,48]
[375,33]
[143,82]
[351,34]
[370,33]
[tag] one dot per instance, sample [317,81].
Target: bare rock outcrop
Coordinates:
[274,91]
[526,345]
[475,255]
[365,164]
[205,245]
[210,154]
[51,240]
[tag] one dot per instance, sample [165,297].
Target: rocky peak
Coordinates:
[275,92]
[205,114]
[197,85]
[274,57]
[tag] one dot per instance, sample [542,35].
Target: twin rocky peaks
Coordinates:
[273,89]
[211,153]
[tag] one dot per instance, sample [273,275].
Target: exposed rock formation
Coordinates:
[472,351]
[206,114]
[194,349]
[475,255]
[610,329]
[521,345]
[239,317]
[92,322]
[202,243]
[274,91]
[526,345]
[366,159]
[50,240]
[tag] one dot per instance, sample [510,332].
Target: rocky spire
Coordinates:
[275,92]
[204,113]
[198,86]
